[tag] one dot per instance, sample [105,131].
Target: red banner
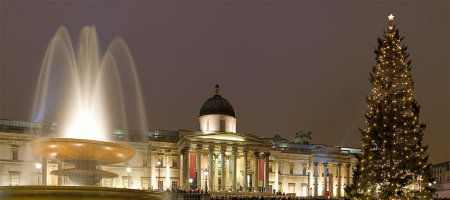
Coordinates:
[330,187]
[193,168]
[261,169]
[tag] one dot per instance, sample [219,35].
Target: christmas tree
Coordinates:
[393,163]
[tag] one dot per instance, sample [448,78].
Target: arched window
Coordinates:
[222,125]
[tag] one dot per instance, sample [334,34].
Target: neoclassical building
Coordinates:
[216,157]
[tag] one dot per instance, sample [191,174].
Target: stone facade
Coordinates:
[296,168]
[441,175]
[235,162]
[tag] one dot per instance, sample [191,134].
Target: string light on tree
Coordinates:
[393,157]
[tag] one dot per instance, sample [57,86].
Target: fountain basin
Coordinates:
[75,193]
[85,154]
[75,150]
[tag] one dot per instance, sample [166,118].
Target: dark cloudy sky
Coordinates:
[284,65]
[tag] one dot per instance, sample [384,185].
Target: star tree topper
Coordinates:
[391,17]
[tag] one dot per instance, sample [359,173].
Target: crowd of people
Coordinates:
[266,198]
[276,196]
[187,191]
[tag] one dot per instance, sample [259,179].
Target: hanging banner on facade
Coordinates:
[331,185]
[261,169]
[193,166]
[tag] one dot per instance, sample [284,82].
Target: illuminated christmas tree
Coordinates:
[393,163]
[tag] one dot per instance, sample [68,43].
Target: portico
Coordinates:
[232,166]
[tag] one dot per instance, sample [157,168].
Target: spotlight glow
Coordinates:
[86,125]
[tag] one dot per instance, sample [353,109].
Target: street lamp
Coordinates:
[206,180]
[190,183]
[159,174]
[129,178]
[38,167]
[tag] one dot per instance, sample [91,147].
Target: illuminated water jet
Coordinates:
[85,89]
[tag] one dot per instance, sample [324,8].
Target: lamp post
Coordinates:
[38,167]
[159,174]
[129,178]
[190,183]
[309,189]
[206,180]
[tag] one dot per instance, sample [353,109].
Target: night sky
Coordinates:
[283,65]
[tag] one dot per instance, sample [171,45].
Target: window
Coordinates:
[107,182]
[175,162]
[126,181]
[270,188]
[144,161]
[291,187]
[304,171]
[160,160]
[304,190]
[174,185]
[229,163]
[222,125]
[14,178]
[291,168]
[145,183]
[15,153]
[219,167]
[160,185]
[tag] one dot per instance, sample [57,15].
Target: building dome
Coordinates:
[217,115]
[217,105]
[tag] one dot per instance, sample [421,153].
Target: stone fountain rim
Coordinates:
[71,140]
[87,144]
[45,192]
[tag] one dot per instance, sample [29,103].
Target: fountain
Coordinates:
[87,87]
[85,154]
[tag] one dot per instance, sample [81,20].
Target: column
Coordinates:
[339,179]
[167,162]
[186,185]
[275,163]
[227,172]
[308,192]
[233,180]
[199,167]
[216,172]
[256,174]
[348,173]
[266,168]
[44,171]
[210,168]
[149,167]
[60,178]
[223,155]
[315,178]
[325,178]
[245,171]
[153,168]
